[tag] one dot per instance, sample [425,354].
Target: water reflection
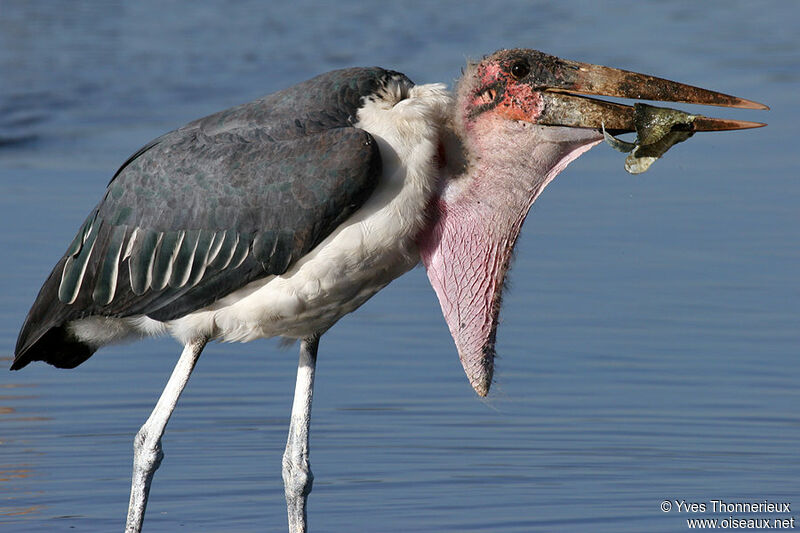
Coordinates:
[18,462]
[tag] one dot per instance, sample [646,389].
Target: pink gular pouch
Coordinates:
[468,253]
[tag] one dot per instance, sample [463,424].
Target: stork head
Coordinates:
[519,121]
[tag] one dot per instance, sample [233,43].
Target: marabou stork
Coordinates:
[280,216]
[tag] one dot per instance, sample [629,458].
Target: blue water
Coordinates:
[650,338]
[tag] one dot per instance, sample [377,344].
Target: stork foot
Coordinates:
[147,457]
[297,482]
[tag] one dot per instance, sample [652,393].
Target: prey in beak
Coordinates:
[520,117]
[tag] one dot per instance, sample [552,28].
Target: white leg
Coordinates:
[147,453]
[297,476]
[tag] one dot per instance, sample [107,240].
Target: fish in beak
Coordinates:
[520,117]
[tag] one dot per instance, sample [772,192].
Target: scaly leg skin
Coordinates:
[147,453]
[297,476]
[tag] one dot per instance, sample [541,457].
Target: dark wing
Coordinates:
[193,218]
[206,209]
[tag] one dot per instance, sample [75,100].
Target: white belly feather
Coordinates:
[370,249]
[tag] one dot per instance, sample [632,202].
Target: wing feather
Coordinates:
[182,265]
[226,250]
[165,257]
[75,266]
[206,209]
[215,246]
[205,240]
[106,282]
[141,258]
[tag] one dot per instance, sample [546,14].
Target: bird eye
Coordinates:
[520,69]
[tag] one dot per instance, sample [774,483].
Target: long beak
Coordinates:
[561,82]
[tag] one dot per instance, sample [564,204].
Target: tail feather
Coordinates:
[56,347]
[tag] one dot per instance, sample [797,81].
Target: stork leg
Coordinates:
[147,453]
[297,476]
